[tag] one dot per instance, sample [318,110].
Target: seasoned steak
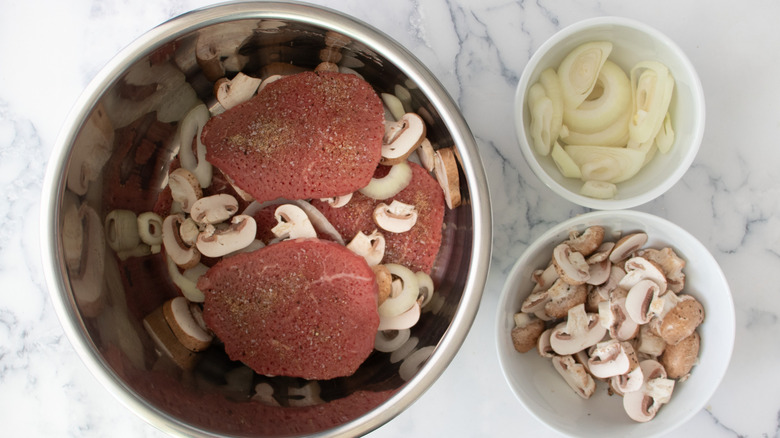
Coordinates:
[308,135]
[417,248]
[302,308]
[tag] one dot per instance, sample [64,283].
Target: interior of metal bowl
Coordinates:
[114,153]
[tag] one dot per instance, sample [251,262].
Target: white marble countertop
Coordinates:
[729,199]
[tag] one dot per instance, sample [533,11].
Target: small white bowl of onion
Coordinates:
[581,401]
[609,113]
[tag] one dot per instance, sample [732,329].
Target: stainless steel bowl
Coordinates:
[101,299]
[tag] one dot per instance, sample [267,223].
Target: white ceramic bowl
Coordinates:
[632,42]
[542,390]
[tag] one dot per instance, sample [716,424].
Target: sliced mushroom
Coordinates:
[580,331]
[545,278]
[535,301]
[616,273]
[612,358]
[639,298]
[627,245]
[167,342]
[601,253]
[640,268]
[426,154]
[598,273]
[191,335]
[371,247]
[184,255]
[189,230]
[643,405]
[214,209]
[338,201]
[231,92]
[649,343]
[564,296]
[681,321]
[679,359]
[185,188]
[570,264]
[526,332]
[543,346]
[384,281]
[292,223]
[628,382]
[671,264]
[587,242]
[446,171]
[613,316]
[396,217]
[217,242]
[575,375]
[402,138]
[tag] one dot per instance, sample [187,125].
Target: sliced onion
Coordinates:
[188,286]
[603,163]
[190,129]
[580,69]
[603,111]
[615,135]
[598,189]
[403,321]
[414,362]
[388,341]
[665,137]
[395,305]
[122,230]
[404,350]
[150,228]
[552,89]
[397,179]
[541,109]
[566,165]
[394,105]
[651,87]
[425,283]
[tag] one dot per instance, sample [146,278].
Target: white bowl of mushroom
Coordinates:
[609,113]
[616,322]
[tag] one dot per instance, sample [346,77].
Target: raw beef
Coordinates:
[308,135]
[416,248]
[302,308]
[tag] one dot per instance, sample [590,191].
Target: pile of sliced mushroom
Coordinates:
[211,226]
[613,312]
[597,123]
